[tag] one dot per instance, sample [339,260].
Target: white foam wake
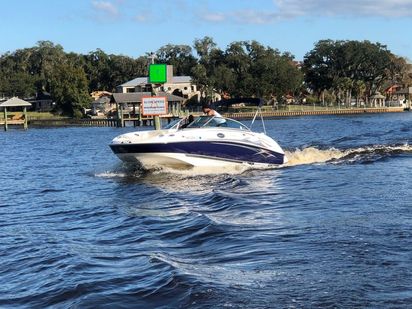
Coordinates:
[313,155]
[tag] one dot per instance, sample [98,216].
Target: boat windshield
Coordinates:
[175,124]
[211,122]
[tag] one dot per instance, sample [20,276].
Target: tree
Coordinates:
[98,70]
[261,71]
[342,66]
[318,67]
[180,56]
[43,58]
[203,73]
[69,88]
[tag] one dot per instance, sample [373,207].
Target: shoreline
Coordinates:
[351,111]
[104,122]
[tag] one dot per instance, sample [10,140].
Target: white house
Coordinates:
[177,85]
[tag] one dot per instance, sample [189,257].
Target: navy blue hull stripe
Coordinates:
[220,150]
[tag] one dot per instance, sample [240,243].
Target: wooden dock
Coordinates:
[95,122]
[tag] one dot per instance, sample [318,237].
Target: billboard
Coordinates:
[154,106]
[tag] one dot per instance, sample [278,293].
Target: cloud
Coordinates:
[214,17]
[278,10]
[346,8]
[106,8]
[141,18]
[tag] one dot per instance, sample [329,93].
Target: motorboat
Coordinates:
[208,141]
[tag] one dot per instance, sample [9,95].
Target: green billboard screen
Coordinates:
[157,73]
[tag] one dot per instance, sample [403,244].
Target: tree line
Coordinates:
[353,69]
[340,69]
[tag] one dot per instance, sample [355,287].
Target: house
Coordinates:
[131,102]
[43,102]
[101,104]
[100,93]
[177,85]
[405,96]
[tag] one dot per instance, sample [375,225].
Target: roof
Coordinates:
[181,79]
[102,100]
[14,102]
[378,96]
[144,80]
[135,82]
[43,96]
[407,90]
[136,97]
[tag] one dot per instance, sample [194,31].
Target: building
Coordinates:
[181,86]
[131,102]
[101,104]
[405,96]
[377,100]
[42,103]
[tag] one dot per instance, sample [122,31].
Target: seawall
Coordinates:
[62,122]
[275,114]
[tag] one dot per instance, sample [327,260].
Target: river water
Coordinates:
[332,229]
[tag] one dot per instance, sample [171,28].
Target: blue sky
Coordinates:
[135,27]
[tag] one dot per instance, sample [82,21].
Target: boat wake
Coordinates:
[362,155]
[305,156]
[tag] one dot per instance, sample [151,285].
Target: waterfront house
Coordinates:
[130,102]
[101,104]
[177,85]
[43,102]
[405,96]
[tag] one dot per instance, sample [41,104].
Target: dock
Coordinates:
[294,113]
[16,119]
[97,122]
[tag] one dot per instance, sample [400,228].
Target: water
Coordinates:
[333,229]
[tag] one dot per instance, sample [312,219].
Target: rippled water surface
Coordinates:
[332,229]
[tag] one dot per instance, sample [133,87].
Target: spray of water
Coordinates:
[309,155]
[312,155]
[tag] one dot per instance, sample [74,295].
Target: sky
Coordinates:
[136,27]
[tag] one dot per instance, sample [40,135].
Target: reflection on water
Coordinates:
[331,229]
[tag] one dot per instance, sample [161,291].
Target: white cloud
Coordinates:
[106,8]
[253,12]
[254,17]
[351,8]
[214,17]
[141,18]
[289,9]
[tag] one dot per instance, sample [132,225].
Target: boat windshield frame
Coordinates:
[174,124]
[217,122]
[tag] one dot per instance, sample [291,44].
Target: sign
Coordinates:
[157,73]
[154,106]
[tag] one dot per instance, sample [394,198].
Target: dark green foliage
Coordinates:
[344,69]
[245,69]
[180,56]
[352,68]
[69,77]
[69,89]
